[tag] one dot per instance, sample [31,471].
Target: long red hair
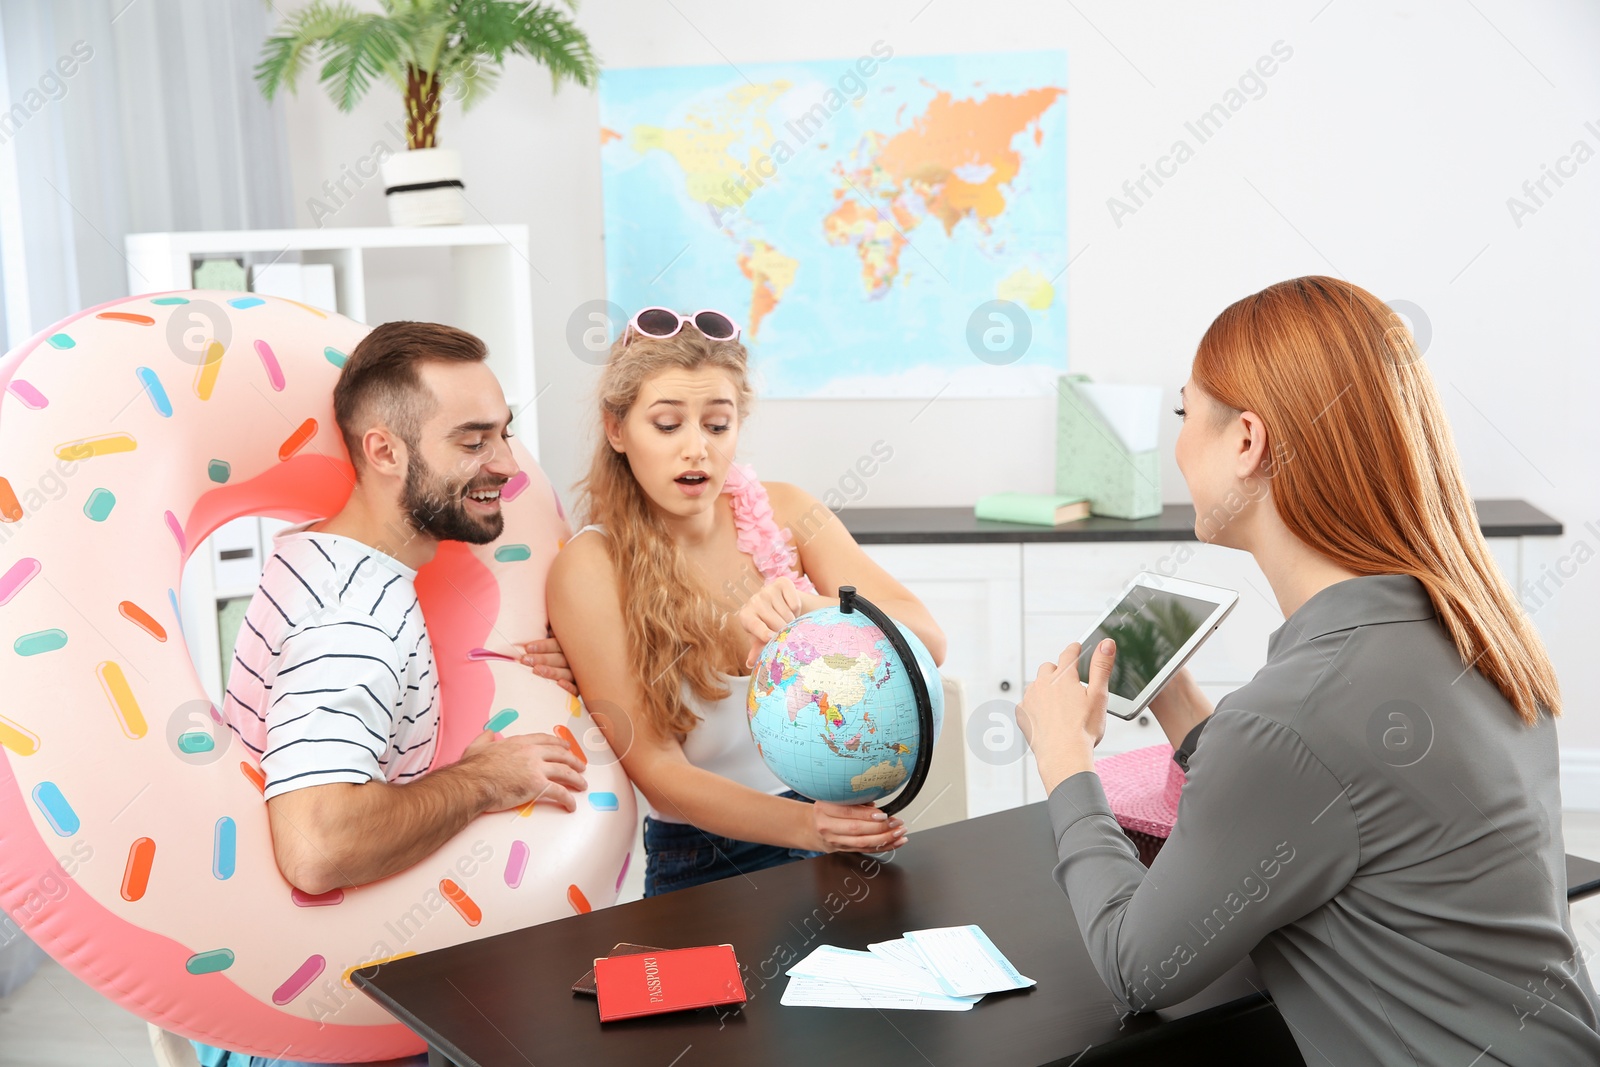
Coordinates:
[1364,468]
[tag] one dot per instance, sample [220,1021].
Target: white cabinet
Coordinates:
[974,592]
[1507,552]
[1006,608]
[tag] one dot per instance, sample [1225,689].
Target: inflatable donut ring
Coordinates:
[134,844]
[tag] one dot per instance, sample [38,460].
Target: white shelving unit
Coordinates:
[488,279]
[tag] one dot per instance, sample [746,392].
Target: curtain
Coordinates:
[119,117]
[127,116]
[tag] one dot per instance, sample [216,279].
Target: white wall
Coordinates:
[1383,151]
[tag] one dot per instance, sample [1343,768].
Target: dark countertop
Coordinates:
[958,526]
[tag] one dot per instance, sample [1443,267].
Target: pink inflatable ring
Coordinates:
[133,838]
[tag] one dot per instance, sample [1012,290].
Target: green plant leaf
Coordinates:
[464,44]
[360,50]
[471,82]
[487,29]
[553,39]
[306,31]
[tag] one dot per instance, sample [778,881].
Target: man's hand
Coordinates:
[330,836]
[855,828]
[1062,718]
[548,661]
[522,768]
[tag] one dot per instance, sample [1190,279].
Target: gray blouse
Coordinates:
[1376,829]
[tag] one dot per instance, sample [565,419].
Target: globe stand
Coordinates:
[851,601]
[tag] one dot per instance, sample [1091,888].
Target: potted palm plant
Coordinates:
[431,50]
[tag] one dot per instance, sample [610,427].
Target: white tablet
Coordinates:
[1157,625]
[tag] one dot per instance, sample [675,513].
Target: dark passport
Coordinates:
[585,985]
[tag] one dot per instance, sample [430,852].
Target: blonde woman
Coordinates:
[1375,818]
[687,567]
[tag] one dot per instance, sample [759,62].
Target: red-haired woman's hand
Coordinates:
[1062,717]
[1180,706]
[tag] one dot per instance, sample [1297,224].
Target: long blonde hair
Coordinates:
[1364,467]
[674,630]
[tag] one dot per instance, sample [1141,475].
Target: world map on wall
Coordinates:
[885,225]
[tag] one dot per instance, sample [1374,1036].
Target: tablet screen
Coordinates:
[1149,627]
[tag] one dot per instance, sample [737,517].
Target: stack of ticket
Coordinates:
[944,969]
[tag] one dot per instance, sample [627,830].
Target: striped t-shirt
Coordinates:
[332,677]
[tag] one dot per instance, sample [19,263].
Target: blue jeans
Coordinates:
[211,1056]
[677,855]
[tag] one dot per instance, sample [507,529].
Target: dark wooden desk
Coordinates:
[506,1001]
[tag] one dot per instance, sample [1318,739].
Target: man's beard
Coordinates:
[437,507]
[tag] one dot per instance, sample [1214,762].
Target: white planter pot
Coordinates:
[423,187]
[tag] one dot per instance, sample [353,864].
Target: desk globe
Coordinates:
[837,711]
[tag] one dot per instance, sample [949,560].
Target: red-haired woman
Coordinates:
[1375,818]
[688,565]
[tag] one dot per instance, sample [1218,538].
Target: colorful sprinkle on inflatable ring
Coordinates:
[134,844]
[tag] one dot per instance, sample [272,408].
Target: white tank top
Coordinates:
[721,743]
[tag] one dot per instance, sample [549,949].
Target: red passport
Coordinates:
[649,983]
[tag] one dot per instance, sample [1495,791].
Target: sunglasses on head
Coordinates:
[662,323]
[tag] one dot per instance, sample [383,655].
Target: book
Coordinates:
[306,283]
[278,279]
[224,273]
[1034,509]
[316,282]
[679,979]
[585,985]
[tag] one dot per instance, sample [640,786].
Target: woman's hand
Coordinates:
[774,606]
[548,661]
[855,828]
[1180,707]
[1062,718]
